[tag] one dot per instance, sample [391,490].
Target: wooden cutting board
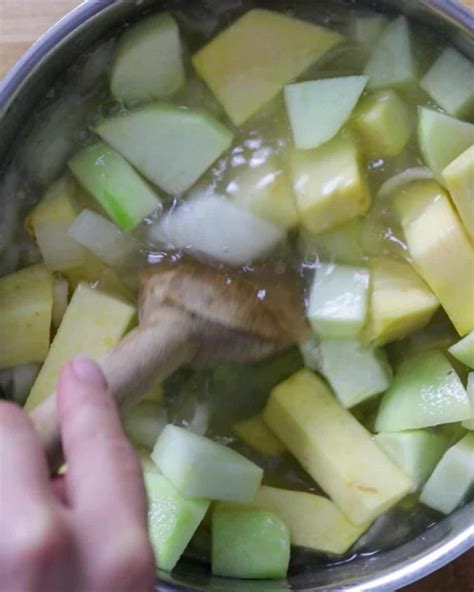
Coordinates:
[21,23]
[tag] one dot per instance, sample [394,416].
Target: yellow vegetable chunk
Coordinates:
[440,249]
[459,179]
[26,304]
[93,323]
[314,521]
[329,185]
[334,448]
[383,121]
[256,434]
[400,301]
[250,62]
[267,192]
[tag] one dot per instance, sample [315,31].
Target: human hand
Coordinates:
[86,531]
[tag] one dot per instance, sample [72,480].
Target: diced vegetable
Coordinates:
[399,180]
[442,139]
[266,191]
[115,185]
[49,221]
[23,378]
[249,543]
[341,245]
[338,300]
[329,185]
[354,371]
[416,452]
[318,109]
[452,478]
[199,467]
[469,423]
[440,249]
[311,353]
[102,237]
[335,449]
[26,303]
[94,322]
[426,392]
[171,146]
[215,227]
[60,300]
[459,179]
[144,422]
[315,522]
[148,62]
[393,61]
[383,122]
[400,302]
[449,82]
[250,62]
[464,350]
[368,29]
[256,434]
[172,519]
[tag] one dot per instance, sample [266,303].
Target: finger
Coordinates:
[104,476]
[23,468]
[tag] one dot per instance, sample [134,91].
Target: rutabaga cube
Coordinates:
[469,423]
[199,467]
[339,245]
[334,448]
[315,522]
[94,322]
[329,184]
[425,392]
[367,30]
[338,300]
[171,146]
[400,301]
[172,519]
[384,124]
[266,191]
[449,82]
[440,249]
[452,478]
[148,61]
[442,138]
[318,109]
[255,433]
[249,63]
[249,543]
[458,177]
[354,371]
[416,452]
[464,350]
[115,184]
[26,303]
[393,63]
[212,226]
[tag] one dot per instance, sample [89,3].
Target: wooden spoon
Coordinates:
[191,314]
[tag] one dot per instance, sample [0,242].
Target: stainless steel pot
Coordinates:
[20,92]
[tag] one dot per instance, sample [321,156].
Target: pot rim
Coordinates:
[459,525]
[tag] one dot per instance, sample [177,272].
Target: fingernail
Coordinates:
[87,370]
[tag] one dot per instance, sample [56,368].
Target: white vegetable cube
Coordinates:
[383,121]
[355,372]
[452,478]
[393,61]
[469,423]
[464,350]
[199,467]
[338,300]
[329,184]
[416,452]
[266,191]
[214,227]
[459,179]
[148,62]
[367,29]
[318,109]
[449,81]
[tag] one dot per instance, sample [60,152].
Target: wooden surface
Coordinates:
[21,23]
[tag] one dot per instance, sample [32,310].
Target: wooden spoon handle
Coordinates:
[145,357]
